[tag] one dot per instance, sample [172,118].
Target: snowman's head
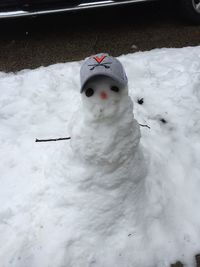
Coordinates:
[103,86]
[102,97]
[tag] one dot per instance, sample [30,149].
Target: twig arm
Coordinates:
[52,139]
[145,125]
[67,138]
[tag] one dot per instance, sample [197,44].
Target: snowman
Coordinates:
[98,181]
[106,151]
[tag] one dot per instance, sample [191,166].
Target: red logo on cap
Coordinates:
[99,59]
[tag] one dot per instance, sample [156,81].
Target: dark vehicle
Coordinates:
[19,8]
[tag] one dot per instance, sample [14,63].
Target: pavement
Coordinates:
[31,42]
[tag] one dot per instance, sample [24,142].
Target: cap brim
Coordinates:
[116,79]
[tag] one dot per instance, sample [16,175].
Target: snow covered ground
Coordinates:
[39,225]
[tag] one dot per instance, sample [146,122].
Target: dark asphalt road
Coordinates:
[32,42]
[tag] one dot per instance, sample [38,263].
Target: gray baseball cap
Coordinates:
[105,65]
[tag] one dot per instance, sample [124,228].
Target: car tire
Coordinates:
[191,9]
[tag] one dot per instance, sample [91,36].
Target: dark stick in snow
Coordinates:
[144,125]
[67,138]
[53,139]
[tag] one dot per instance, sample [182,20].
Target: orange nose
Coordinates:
[103,95]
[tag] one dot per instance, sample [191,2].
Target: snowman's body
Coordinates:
[105,142]
[103,178]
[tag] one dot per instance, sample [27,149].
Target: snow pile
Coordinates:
[105,142]
[105,132]
[56,212]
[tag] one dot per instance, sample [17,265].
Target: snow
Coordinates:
[58,210]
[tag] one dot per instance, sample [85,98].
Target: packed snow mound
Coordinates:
[43,198]
[111,191]
[105,133]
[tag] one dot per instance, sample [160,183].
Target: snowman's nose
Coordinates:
[103,95]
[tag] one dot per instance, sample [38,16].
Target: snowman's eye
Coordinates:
[89,92]
[114,89]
